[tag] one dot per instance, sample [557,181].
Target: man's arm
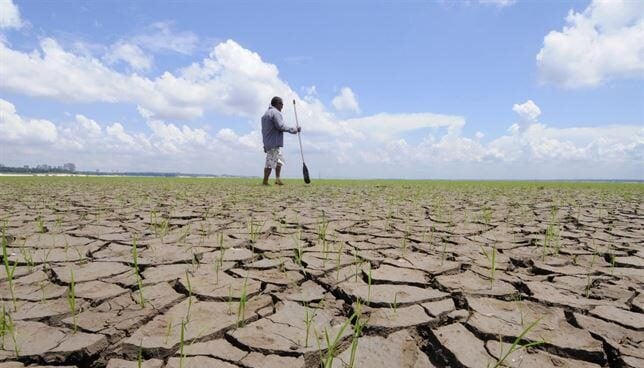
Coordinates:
[278,121]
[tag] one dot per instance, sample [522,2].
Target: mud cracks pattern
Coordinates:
[226,273]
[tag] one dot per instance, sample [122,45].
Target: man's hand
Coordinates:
[299,129]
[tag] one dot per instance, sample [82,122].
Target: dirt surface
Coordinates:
[114,272]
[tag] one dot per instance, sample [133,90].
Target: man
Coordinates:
[273,129]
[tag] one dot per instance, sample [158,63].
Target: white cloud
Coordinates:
[535,151]
[387,126]
[162,147]
[131,54]
[88,127]
[235,81]
[310,91]
[135,50]
[14,128]
[227,135]
[514,129]
[9,15]
[528,111]
[161,36]
[382,148]
[252,140]
[117,131]
[612,144]
[64,76]
[170,138]
[172,133]
[499,3]
[232,80]
[346,101]
[604,42]
[532,141]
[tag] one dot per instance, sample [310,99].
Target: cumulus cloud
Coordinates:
[9,15]
[15,128]
[528,111]
[117,131]
[231,80]
[235,81]
[88,127]
[64,76]
[130,54]
[531,140]
[604,42]
[615,144]
[171,138]
[387,126]
[252,140]
[112,146]
[346,101]
[531,149]
[382,147]
[137,51]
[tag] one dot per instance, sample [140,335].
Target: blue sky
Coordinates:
[416,89]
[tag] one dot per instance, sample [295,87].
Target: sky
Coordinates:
[487,89]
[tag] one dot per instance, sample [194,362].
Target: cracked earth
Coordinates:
[225,273]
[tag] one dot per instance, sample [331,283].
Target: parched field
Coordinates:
[226,273]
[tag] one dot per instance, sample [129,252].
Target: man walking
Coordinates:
[273,129]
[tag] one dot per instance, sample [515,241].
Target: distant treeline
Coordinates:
[59,170]
[34,170]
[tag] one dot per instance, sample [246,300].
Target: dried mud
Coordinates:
[226,273]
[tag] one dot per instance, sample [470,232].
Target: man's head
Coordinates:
[277,103]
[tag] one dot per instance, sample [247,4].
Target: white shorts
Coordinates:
[273,158]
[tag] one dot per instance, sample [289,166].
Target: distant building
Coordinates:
[69,167]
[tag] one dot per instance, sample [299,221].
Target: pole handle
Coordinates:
[297,125]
